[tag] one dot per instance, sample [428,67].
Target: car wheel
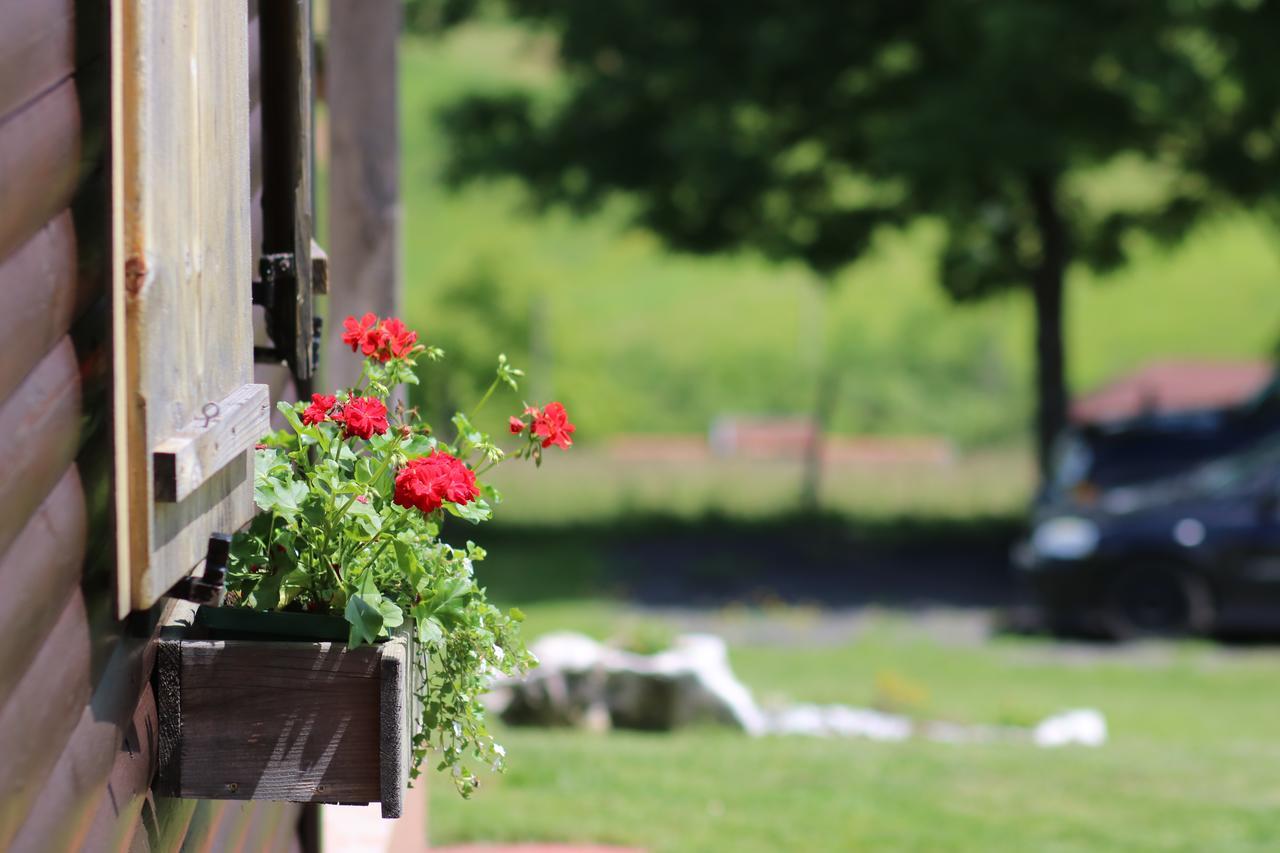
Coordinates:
[1158,601]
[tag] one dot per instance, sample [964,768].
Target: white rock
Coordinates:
[1083,726]
[583,683]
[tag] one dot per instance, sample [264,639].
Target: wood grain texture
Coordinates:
[297,722]
[48,700]
[393,740]
[42,417]
[37,298]
[38,574]
[180,154]
[37,49]
[61,817]
[119,811]
[40,160]
[364,171]
[226,431]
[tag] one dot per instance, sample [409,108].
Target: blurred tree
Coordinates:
[479,316]
[1240,153]
[798,129]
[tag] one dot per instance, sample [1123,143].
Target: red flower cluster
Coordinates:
[363,417]
[428,481]
[318,411]
[552,426]
[383,340]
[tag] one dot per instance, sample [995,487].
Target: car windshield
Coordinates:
[1255,469]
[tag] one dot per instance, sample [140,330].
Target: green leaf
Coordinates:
[418,445]
[430,631]
[292,584]
[266,595]
[365,469]
[474,512]
[290,412]
[392,615]
[449,601]
[366,621]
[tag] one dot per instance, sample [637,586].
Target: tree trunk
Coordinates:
[823,408]
[1047,286]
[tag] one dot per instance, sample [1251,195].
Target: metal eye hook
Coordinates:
[209,417]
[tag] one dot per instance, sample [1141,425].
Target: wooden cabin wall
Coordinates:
[77,715]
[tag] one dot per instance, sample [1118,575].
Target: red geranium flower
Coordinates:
[364,335]
[516,425]
[553,427]
[318,411]
[398,339]
[363,417]
[428,481]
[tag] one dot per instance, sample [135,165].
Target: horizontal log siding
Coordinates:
[37,49]
[40,161]
[41,418]
[37,575]
[37,298]
[42,712]
[77,716]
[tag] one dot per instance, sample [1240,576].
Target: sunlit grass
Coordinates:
[1190,764]
[585,486]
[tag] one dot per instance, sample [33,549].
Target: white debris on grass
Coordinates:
[584,683]
[1082,726]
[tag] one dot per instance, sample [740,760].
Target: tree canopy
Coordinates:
[798,130]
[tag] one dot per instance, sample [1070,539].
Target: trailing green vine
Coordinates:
[354,499]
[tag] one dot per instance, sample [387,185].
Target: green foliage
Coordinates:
[801,132]
[335,536]
[636,339]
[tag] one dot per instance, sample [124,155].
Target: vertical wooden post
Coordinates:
[364,173]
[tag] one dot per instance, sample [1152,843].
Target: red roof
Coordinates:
[1170,386]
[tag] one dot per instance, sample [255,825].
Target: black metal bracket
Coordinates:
[210,588]
[277,290]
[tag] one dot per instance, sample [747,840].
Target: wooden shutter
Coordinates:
[186,414]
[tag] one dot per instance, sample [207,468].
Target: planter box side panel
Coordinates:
[271,721]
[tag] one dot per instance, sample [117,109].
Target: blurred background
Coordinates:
[923,351]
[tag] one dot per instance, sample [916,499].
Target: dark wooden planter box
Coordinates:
[268,706]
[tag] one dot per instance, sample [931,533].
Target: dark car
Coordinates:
[1093,458]
[1196,552]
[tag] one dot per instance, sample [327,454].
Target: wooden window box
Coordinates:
[274,706]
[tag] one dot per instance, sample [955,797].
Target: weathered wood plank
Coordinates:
[37,297]
[42,418]
[42,712]
[40,154]
[37,49]
[61,816]
[364,170]
[301,723]
[181,270]
[393,742]
[223,432]
[287,228]
[38,574]
[119,810]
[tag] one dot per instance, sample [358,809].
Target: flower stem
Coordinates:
[493,386]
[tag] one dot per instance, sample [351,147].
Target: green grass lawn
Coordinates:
[585,486]
[635,339]
[1191,764]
